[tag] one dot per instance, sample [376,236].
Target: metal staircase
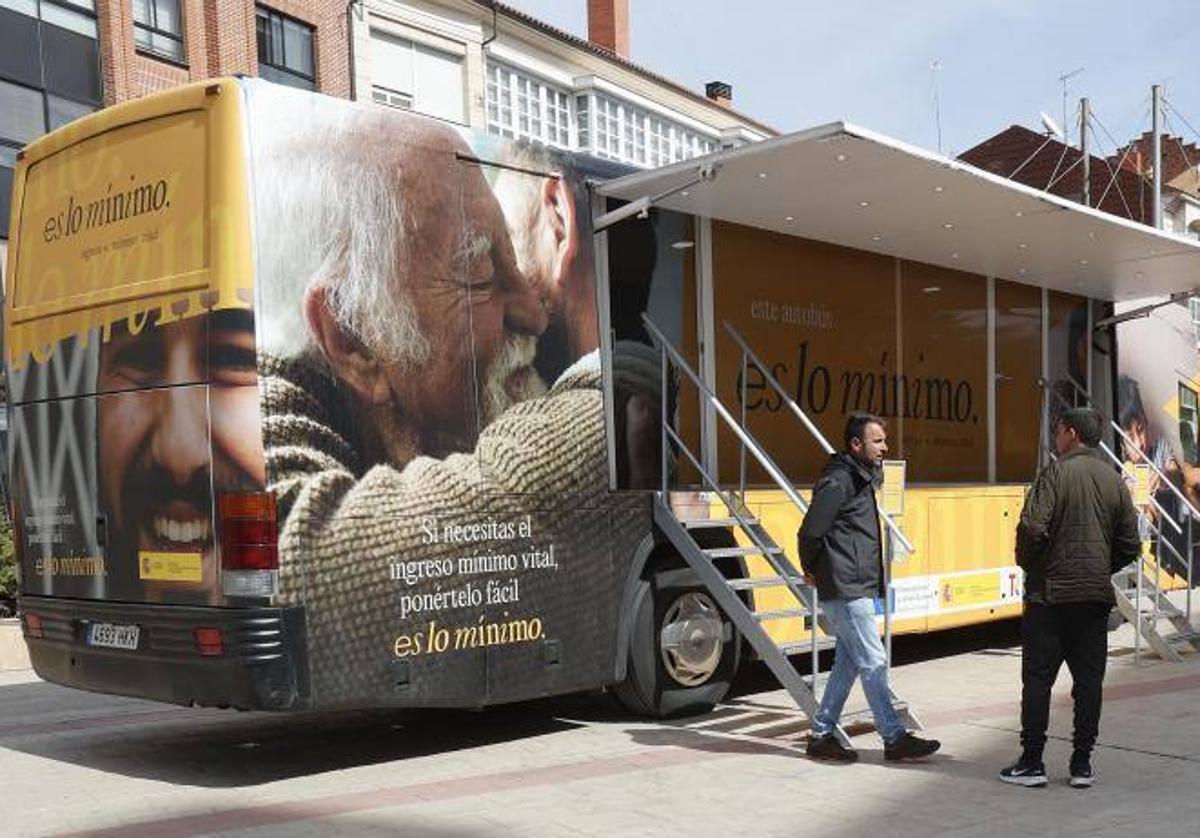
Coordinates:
[1143,603]
[727,584]
[1138,588]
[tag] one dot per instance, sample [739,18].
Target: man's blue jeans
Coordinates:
[859,652]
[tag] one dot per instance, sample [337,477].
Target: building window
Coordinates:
[582,110]
[49,75]
[285,50]
[1189,422]
[415,77]
[660,142]
[521,105]
[608,128]
[158,27]
[558,117]
[633,135]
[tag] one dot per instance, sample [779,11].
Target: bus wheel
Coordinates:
[683,650]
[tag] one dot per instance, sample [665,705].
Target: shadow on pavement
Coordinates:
[358,825]
[226,749]
[222,749]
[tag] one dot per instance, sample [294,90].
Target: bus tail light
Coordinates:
[209,642]
[249,543]
[33,625]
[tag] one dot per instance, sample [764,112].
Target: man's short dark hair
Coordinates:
[1085,421]
[856,426]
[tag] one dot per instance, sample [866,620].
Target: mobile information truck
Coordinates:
[316,404]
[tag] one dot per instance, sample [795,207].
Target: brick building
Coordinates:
[477,63]
[60,59]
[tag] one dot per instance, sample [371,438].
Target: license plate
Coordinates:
[113,636]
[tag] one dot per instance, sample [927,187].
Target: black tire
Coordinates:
[659,683]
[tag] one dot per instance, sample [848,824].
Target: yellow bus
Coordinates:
[315,404]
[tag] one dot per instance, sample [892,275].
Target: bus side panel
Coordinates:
[963,570]
[972,555]
[438,454]
[574,587]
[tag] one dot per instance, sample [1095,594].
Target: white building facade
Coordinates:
[496,69]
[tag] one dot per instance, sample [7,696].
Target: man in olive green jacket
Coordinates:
[1077,529]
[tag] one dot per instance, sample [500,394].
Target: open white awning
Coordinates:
[842,184]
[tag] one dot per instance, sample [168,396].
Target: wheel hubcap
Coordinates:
[690,639]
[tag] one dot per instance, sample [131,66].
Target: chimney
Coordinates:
[608,25]
[720,92]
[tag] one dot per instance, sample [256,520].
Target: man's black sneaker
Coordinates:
[1081,774]
[1022,773]
[909,747]
[830,749]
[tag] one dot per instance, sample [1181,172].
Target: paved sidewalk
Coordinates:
[13,654]
[102,766]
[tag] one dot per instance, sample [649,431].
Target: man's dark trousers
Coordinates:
[1077,633]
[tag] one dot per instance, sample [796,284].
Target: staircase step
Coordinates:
[798,647]
[745,584]
[727,552]
[780,614]
[1184,636]
[718,523]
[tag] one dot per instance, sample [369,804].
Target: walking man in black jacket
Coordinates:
[842,554]
[1077,529]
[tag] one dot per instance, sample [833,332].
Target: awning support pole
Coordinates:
[642,205]
[1144,311]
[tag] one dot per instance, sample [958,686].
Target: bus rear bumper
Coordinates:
[262,663]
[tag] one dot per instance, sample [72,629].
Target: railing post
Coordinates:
[662,395]
[1137,607]
[742,455]
[816,654]
[1191,553]
[1157,573]
[889,548]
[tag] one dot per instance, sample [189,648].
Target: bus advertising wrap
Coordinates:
[130,350]
[1158,391]
[399,340]
[433,416]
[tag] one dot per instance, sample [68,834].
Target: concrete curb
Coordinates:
[13,654]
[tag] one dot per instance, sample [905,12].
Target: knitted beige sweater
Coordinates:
[348,529]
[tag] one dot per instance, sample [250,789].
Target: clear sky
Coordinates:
[798,63]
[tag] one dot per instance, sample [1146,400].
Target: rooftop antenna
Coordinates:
[1051,126]
[1064,78]
[935,67]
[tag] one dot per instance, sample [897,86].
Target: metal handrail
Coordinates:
[812,429]
[759,454]
[1157,531]
[1121,432]
[788,400]
[788,574]
[784,569]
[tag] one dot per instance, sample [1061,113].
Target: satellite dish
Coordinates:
[1051,126]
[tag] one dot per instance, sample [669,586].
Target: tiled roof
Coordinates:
[1045,163]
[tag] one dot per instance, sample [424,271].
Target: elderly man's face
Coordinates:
[466,292]
[159,452]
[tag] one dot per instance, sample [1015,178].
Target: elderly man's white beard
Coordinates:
[511,377]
